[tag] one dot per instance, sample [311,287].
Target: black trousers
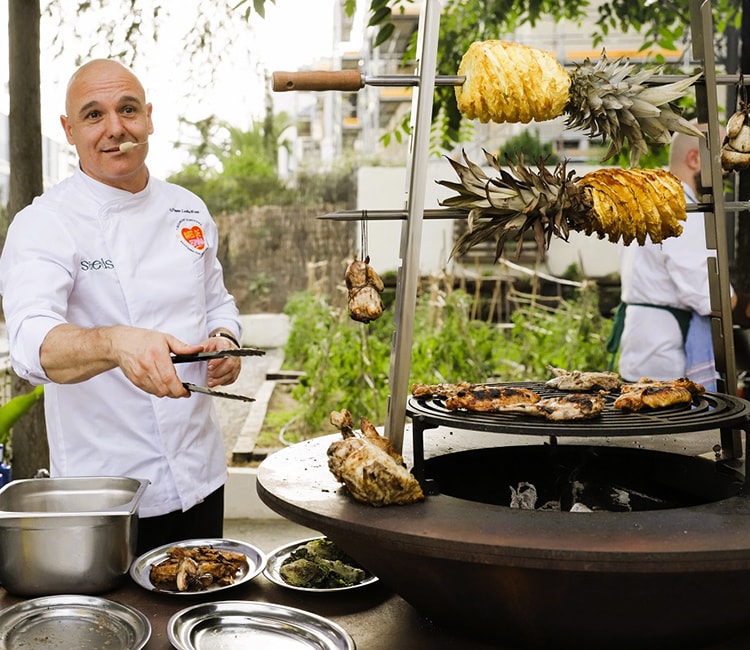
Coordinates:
[203,520]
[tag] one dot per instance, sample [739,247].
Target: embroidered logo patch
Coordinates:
[190,234]
[194,237]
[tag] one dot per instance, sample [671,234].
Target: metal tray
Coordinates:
[141,567]
[276,559]
[65,622]
[238,625]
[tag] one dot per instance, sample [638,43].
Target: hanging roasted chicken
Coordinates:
[735,150]
[364,286]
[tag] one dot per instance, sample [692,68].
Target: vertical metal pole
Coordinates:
[716,231]
[411,231]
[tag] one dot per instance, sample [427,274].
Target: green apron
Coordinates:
[683,317]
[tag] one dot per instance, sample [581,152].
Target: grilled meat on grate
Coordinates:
[573,406]
[579,380]
[490,398]
[647,393]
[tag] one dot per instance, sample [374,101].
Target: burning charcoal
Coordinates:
[523,498]
[621,498]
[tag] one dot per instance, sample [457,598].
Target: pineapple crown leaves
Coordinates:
[608,99]
[510,203]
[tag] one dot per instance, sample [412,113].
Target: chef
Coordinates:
[103,277]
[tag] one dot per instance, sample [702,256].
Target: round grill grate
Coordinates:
[710,411]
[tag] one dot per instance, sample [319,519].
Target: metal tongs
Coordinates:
[215,393]
[217,354]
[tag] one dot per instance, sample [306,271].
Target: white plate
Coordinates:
[276,559]
[255,561]
[65,622]
[240,625]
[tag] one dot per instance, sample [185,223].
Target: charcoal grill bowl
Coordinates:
[660,578]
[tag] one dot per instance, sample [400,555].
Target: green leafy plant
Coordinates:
[346,364]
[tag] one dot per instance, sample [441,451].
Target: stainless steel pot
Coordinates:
[67,535]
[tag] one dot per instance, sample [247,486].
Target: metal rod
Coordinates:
[411,231]
[716,231]
[462,213]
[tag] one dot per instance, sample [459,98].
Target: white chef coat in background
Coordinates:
[673,273]
[93,255]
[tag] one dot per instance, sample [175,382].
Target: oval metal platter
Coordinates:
[255,561]
[277,557]
[65,622]
[247,624]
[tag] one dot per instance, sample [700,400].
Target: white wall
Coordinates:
[386,188]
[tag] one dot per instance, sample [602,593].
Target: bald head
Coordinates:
[98,69]
[106,107]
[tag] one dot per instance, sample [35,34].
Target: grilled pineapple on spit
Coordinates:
[510,82]
[616,203]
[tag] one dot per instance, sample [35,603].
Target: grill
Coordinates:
[710,411]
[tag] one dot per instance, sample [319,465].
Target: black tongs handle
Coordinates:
[217,354]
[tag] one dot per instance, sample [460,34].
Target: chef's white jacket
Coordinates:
[673,273]
[92,255]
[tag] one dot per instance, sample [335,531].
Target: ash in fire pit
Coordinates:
[581,478]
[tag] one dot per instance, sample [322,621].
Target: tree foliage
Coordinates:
[529,147]
[662,24]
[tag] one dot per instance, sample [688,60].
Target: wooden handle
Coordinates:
[317,80]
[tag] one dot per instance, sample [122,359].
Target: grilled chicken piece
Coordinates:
[369,466]
[696,390]
[364,286]
[439,390]
[490,398]
[578,380]
[573,406]
[647,393]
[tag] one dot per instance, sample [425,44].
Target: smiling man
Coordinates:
[103,278]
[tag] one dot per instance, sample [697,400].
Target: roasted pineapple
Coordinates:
[619,204]
[510,82]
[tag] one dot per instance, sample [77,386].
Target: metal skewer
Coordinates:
[462,213]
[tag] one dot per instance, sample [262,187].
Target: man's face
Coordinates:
[106,106]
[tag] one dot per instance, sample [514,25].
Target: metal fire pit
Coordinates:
[672,577]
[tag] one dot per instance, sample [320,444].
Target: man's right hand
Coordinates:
[71,354]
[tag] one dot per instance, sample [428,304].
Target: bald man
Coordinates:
[103,278]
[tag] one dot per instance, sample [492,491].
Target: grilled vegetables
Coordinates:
[619,204]
[510,82]
[320,564]
[369,466]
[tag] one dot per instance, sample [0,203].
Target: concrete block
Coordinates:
[265,330]
[241,500]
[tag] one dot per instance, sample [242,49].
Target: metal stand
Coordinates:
[411,231]
[715,217]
